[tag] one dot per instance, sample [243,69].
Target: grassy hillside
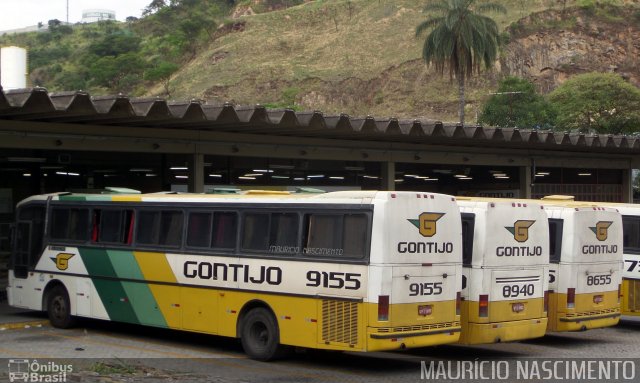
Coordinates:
[353,56]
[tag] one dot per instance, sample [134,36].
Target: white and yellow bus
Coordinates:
[505,268]
[586,265]
[358,271]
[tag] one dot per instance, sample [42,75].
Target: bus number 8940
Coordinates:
[514,291]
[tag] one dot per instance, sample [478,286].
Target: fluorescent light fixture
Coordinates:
[61,173]
[299,179]
[503,177]
[182,177]
[263,170]
[411,175]
[499,175]
[371,177]
[246,178]
[584,174]
[430,179]
[215,175]
[150,175]
[465,178]
[422,177]
[539,175]
[27,174]
[253,175]
[179,168]
[316,176]
[73,174]
[460,176]
[281,177]
[543,173]
[277,166]
[336,178]
[26,159]
[399,180]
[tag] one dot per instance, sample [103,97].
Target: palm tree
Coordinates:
[461,38]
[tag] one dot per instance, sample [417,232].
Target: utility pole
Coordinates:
[67,12]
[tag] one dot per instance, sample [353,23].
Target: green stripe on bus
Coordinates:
[112,294]
[96,197]
[139,294]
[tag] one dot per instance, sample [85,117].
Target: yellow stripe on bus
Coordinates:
[155,267]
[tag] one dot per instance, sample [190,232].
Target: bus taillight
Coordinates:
[571,298]
[546,301]
[383,307]
[483,307]
[458,302]
[619,292]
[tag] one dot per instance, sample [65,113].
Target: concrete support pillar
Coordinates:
[196,173]
[525,182]
[627,186]
[388,181]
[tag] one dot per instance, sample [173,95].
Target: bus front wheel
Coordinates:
[59,308]
[260,336]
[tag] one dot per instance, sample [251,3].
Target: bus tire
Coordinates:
[260,336]
[59,308]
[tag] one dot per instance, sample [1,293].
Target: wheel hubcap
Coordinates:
[260,333]
[59,307]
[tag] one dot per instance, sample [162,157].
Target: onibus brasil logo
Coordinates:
[25,370]
[520,229]
[426,223]
[601,230]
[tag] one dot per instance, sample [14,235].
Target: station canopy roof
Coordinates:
[78,107]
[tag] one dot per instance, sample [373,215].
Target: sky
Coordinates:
[23,13]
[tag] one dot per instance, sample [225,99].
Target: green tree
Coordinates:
[517,104]
[461,38]
[600,102]
[162,72]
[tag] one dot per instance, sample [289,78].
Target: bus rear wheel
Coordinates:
[260,336]
[59,308]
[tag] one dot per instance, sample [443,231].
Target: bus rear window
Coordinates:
[555,239]
[335,235]
[160,228]
[70,224]
[631,234]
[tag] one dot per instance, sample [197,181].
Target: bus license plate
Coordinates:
[517,307]
[425,310]
[598,299]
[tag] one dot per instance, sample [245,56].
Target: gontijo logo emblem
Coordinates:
[601,230]
[426,223]
[62,260]
[520,229]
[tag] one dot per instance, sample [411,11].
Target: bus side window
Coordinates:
[160,228]
[70,224]
[336,235]
[199,229]
[225,225]
[255,231]
[284,232]
[111,226]
[555,239]
[468,225]
[631,234]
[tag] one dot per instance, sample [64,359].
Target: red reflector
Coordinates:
[458,302]
[393,195]
[571,298]
[418,195]
[425,310]
[383,307]
[483,307]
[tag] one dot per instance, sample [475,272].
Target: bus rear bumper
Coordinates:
[385,341]
[484,333]
[586,322]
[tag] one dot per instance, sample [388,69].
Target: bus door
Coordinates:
[631,268]
[27,239]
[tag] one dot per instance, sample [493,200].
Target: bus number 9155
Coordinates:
[427,288]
